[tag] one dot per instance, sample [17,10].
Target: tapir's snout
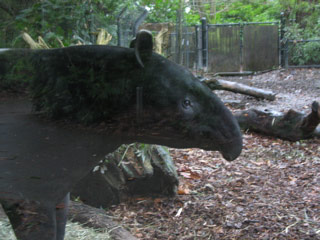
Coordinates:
[221,130]
[230,151]
[232,147]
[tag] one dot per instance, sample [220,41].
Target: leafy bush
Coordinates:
[250,11]
[70,21]
[14,72]
[304,53]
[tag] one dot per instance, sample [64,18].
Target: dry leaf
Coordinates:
[183,191]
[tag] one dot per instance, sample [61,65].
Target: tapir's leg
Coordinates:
[62,216]
[31,220]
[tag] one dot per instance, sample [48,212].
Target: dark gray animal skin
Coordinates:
[41,159]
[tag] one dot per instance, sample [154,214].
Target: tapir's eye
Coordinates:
[186,103]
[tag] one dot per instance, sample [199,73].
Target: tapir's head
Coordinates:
[175,108]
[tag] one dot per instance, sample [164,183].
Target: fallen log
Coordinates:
[291,126]
[219,84]
[97,218]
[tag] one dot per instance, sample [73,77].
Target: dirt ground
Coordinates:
[272,191]
[294,88]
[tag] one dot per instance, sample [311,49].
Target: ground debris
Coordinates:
[271,192]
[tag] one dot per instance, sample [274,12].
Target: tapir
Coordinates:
[83,103]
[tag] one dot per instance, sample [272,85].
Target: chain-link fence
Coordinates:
[128,22]
[188,47]
[228,47]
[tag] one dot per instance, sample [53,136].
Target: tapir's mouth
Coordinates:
[230,151]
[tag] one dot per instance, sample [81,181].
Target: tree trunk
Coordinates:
[291,126]
[97,218]
[219,84]
[135,170]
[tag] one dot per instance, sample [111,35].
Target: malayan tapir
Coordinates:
[85,102]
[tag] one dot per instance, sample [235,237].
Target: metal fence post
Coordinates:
[178,51]
[283,54]
[286,54]
[93,39]
[138,22]
[241,46]
[119,25]
[198,47]
[187,47]
[204,34]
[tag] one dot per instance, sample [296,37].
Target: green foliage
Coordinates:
[161,10]
[191,18]
[304,53]
[15,79]
[303,22]
[250,11]
[71,21]
[15,72]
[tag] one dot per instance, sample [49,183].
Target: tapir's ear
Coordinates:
[132,43]
[142,45]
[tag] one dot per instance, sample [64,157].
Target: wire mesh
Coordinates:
[128,21]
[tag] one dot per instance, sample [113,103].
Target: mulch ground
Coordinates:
[272,191]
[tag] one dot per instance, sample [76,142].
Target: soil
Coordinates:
[272,191]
